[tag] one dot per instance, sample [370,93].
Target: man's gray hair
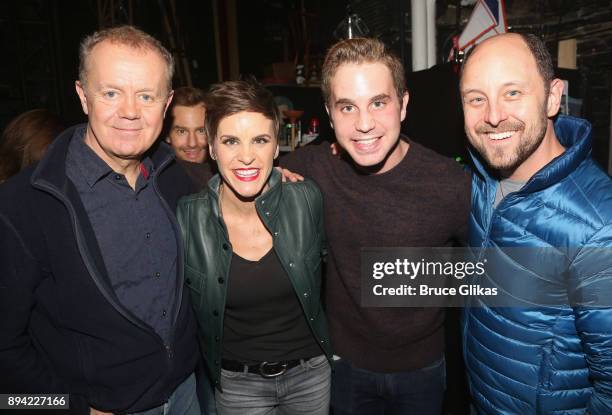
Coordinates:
[126,36]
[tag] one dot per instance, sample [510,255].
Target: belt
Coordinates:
[265,369]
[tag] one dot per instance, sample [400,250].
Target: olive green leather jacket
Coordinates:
[293,213]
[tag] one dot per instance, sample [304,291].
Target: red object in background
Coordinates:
[313,126]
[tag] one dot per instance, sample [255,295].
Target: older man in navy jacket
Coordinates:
[91,290]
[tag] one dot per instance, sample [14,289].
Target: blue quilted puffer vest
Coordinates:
[553,359]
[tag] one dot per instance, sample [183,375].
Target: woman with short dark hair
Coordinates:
[253,262]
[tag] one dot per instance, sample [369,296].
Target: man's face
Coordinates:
[504,103]
[125,99]
[366,114]
[187,134]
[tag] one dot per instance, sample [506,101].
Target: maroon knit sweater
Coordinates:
[422,202]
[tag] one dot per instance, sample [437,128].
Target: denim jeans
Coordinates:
[358,391]
[183,401]
[303,389]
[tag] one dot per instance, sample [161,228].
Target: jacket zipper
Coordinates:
[90,268]
[180,267]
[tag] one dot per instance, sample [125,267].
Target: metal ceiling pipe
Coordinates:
[418,16]
[431,33]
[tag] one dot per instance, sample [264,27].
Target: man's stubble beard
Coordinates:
[497,158]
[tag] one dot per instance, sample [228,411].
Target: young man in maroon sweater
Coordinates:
[384,191]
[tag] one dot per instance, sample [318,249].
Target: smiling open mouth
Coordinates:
[246,174]
[501,136]
[366,144]
[366,141]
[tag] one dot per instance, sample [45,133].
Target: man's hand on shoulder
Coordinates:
[96,412]
[288,175]
[335,148]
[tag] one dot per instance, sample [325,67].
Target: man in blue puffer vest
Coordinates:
[536,189]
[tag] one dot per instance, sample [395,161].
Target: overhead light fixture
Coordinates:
[351,26]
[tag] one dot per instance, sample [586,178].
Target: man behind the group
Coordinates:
[91,290]
[185,132]
[542,213]
[385,191]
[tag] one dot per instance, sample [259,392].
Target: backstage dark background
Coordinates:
[217,40]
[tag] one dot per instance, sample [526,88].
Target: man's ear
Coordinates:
[80,90]
[211,152]
[554,97]
[404,104]
[277,152]
[168,101]
[331,122]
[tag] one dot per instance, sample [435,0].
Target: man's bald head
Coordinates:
[535,46]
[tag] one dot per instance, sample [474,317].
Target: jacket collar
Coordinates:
[267,203]
[91,167]
[574,134]
[52,167]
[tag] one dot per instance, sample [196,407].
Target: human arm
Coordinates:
[335,149]
[590,289]
[294,161]
[288,175]
[22,366]
[23,369]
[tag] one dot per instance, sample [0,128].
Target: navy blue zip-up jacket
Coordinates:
[62,329]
